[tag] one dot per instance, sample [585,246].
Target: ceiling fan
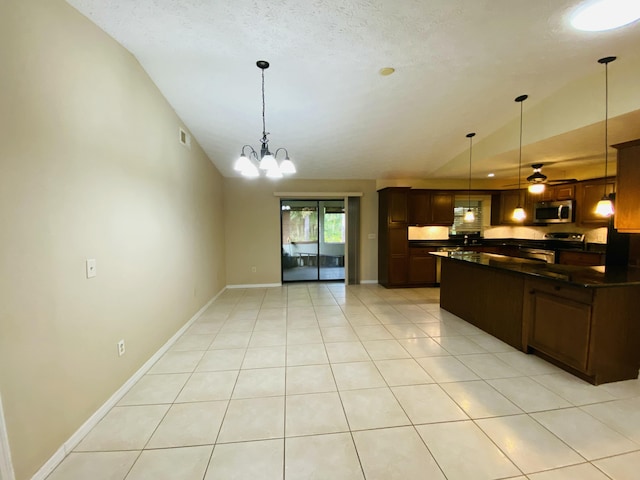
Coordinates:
[539,178]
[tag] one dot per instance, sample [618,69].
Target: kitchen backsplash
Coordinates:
[592,235]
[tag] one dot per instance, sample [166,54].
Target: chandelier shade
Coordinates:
[250,165]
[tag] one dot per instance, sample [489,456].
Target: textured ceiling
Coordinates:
[459,65]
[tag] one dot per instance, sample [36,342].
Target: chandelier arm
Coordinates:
[285,152]
[248,146]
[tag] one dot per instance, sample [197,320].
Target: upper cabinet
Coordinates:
[588,194]
[503,204]
[395,205]
[428,207]
[419,207]
[557,192]
[627,203]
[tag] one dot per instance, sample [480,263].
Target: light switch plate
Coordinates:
[371,236]
[91,267]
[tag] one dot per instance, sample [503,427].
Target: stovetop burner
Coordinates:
[564,236]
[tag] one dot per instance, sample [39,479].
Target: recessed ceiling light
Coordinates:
[599,15]
[491,175]
[386,71]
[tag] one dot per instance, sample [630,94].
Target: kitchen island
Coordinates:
[584,319]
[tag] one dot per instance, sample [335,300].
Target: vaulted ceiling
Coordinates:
[459,64]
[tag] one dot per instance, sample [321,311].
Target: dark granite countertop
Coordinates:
[513,242]
[573,274]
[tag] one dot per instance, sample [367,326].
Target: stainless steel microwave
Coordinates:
[554,212]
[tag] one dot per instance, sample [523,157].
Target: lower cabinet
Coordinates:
[569,257]
[422,266]
[559,323]
[591,332]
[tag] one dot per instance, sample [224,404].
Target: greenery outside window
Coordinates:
[334,225]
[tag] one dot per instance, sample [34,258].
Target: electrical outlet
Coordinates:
[121,348]
[254,269]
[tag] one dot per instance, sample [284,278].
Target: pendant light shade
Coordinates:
[267,162]
[605,205]
[518,213]
[469,215]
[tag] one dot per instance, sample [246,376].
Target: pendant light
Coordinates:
[469,216]
[266,161]
[518,213]
[605,206]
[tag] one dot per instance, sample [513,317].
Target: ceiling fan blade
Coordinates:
[560,181]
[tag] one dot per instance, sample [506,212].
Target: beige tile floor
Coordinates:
[323,381]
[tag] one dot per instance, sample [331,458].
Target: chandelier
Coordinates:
[250,166]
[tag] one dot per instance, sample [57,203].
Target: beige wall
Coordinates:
[90,167]
[252,225]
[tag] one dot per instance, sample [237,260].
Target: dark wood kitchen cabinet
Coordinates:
[557,192]
[589,193]
[570,257]
[504,203]
[393,241]
[429,207]
[592,332]
[627,204]
[422,267]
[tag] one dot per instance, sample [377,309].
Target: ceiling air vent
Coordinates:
[184,137]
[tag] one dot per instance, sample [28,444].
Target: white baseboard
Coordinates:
[255,285]
[6,467]
[368,282]
[77,437]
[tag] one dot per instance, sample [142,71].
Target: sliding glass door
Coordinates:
[313,239]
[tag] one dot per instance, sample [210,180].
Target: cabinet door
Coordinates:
[398,255]
[422,269]
[590,193]
[397,206]
[419,207]
[561,328]
[568,257]
[549,194]
[627,206]
[565,192]
[509,200]
[442,208]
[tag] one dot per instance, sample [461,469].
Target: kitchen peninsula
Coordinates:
[583,319]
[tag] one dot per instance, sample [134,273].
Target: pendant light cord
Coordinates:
[470,149]
[606,124]
[264,128]
[520,153]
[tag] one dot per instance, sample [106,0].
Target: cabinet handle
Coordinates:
[531,292]
[557,288]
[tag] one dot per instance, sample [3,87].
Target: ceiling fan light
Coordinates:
[287,167]
[604,207]
[519,214]
[536,188]
[469,216]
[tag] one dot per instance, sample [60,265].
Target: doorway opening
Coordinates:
[313,240]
